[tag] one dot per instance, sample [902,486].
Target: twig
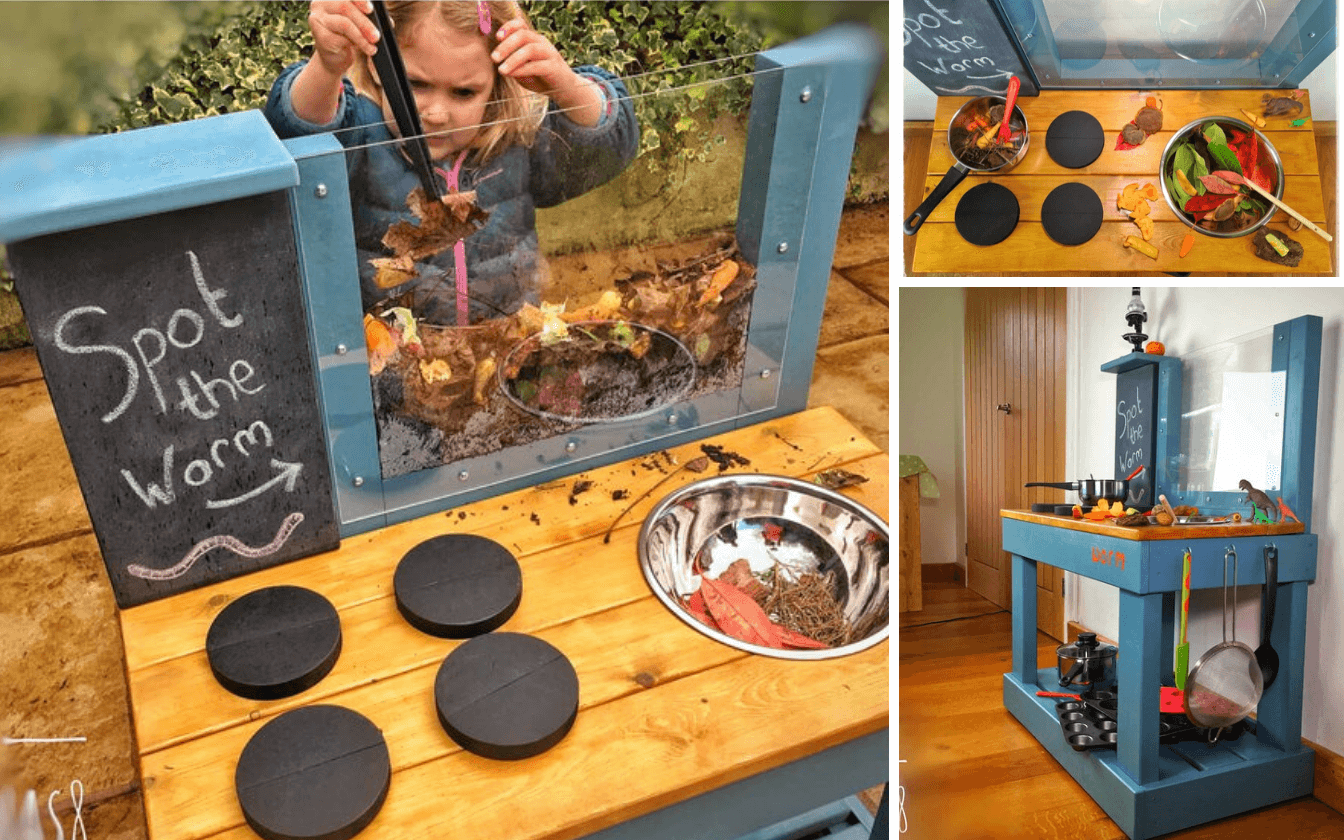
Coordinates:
[606,538]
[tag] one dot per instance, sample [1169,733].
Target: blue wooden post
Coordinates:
[805,107]
[1279,716]
[1137,669]
[1297,350]
[1024,619]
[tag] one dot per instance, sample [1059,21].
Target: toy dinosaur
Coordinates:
[1287,512]
[1259,501]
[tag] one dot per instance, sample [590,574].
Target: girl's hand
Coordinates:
[342,32]
[527,56]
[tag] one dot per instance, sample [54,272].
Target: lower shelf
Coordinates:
[1196,782]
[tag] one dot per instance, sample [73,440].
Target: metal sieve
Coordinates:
[1224,686]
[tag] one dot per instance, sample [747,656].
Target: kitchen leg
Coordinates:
[1139,669]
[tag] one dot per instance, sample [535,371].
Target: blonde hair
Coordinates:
[513,113]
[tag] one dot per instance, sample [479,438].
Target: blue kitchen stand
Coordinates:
[1146,787]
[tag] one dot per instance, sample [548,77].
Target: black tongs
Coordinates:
[392,74]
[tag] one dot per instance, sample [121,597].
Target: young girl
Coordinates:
[504,114]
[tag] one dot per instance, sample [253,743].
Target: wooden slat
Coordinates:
[1030,249]
[629,757]
[1156,532]
[1297,153]
[911,580]
[1301,192]
[1114,108]
[823,437]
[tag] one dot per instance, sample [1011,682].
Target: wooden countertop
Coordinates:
[939,249]
[1142,533]
[664,712]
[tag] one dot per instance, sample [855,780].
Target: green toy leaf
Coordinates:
[1225,158]
[1214,134]
[1184,158]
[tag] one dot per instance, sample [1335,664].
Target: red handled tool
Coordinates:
[1014,85]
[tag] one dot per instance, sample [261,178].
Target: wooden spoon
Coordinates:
[1234,178]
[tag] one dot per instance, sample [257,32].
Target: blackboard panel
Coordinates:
[175,348]
[961,48]
[1135,419]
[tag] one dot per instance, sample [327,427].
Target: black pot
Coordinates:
[1091,490]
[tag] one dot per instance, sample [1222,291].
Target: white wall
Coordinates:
[931,393]
[1188,319]
[919,103]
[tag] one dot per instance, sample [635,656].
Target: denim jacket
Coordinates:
[565,160]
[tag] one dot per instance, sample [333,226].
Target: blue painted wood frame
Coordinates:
[1297,351]
[1146,787]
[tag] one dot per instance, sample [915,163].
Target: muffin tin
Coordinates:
[1091,723]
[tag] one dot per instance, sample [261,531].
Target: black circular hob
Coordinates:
[1071,214]
[274,642]
[506,695]
[986,214]
[316,773]
[1074,139]
[457,586]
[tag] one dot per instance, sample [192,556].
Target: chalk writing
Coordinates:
[961,49]
[209,544]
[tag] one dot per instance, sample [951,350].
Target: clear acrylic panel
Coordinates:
[632,312]
[1232,416]
[1172,43]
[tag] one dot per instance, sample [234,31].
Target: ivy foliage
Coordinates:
[672,53]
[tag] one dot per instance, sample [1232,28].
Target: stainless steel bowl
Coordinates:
[716,519]
[1170,150]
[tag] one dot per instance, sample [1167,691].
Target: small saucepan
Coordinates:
[1091,490]
[971,119]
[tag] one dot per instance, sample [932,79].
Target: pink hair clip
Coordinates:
[483,15]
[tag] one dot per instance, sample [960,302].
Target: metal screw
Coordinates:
[341,349]
[783,248]
[671,419]
[571,446]
[358,481]
[463,476]
[321,191]
[765,374]
[806,95]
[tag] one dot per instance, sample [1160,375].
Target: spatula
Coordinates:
[1183,649]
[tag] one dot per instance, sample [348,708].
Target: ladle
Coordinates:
[1266,655]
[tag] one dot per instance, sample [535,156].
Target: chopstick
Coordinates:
[392,74]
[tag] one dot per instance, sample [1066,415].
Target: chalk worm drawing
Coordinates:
[209,544]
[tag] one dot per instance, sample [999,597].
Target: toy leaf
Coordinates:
[1214,134]
[1224,157]
[1229,176]
[793,639]
[1214,184]
[1184,158]
[1203,203]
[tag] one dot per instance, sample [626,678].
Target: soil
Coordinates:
[426,422]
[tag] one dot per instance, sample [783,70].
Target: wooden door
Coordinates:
[1015,346]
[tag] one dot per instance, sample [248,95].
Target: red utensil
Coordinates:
[1059,694]
[1138,470]
[1014,84]
[1171,700]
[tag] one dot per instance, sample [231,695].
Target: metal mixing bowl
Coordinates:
[720,520]
[1164,170]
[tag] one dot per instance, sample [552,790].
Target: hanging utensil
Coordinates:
[1182,666]
[1225,685]
[401,101]
[1265,655]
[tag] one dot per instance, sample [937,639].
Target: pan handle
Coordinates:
[954,176]
[1062,485]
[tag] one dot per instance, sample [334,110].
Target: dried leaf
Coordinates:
[442,224]
[698,465]
[1214,184]
[737,614]
[720,280]
[838,479]
[695,605]
[792,639]
[739,574]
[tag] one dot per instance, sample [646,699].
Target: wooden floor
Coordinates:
[973,771]
[915,151]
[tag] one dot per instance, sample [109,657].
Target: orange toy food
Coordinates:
[1155,348]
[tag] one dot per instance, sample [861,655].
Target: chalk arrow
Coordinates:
[288,474]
